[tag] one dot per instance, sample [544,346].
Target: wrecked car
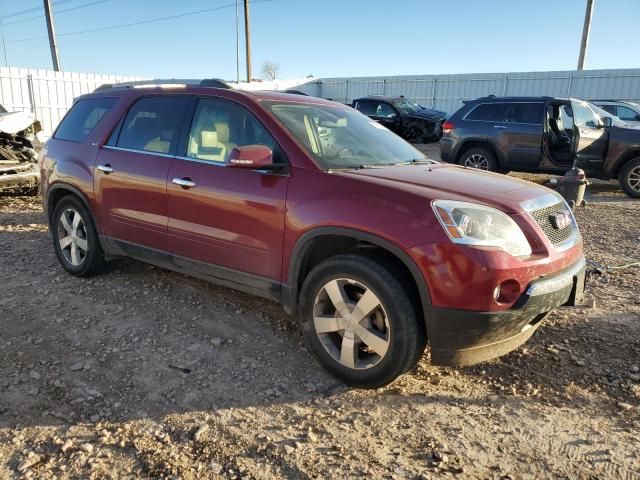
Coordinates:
[411,121]
[18,150]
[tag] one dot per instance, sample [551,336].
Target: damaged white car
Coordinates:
[18,150]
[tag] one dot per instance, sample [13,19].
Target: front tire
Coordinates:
[629,178]
[358,320]
[479,158]
[75,239]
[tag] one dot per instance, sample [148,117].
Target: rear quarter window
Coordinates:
[84,116]
[487,112]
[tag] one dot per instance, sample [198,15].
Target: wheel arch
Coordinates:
[323,242]
[480,143]
[625,158]
[57,192]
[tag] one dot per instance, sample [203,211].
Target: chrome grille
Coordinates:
[543,219]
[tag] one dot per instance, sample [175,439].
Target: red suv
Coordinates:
[377,249]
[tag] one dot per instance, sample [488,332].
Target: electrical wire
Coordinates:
[132,24]
[29,10]
[57,12]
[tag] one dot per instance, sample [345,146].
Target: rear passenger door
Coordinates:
[521,140]
[130,179]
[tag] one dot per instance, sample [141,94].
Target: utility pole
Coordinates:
[52,35]
[237,42]
[4,45]
[585,34]
[247,35]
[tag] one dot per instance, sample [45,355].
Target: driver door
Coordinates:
[591,138]
[221,216]
[388,116]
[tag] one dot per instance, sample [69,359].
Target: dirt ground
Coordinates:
[144,373]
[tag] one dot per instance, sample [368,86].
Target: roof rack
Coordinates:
[173,82]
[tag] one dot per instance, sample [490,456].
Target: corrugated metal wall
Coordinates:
[47,93]
[446,92]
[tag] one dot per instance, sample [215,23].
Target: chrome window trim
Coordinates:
[199,160]
[496,121]
[133,150]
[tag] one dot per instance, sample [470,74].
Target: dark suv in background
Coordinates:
[542,134]
[403,116]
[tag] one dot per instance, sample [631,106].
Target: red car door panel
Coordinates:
[232,217]
[229,217]
[132,198]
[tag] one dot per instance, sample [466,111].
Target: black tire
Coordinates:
[628,177]
[405,332]
[481,156]
[93,261]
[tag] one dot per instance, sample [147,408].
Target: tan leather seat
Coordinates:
[222,129]
[209,147]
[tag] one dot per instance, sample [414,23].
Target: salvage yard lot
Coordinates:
[142,372]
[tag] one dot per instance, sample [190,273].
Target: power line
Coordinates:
[29,10]
[142,22]
[57,12]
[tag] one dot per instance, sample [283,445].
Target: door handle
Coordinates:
[105,168]
[184,182]
[499,126]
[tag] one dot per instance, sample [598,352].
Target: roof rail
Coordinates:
[173,82]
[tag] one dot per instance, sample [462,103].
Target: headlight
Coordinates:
[479,225]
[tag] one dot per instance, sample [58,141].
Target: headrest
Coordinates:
[222,128]
[209,139]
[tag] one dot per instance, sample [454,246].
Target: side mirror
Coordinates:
[254,157]
[607,122]
[638,117]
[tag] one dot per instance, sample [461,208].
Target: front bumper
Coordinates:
[462,337]
[19,175]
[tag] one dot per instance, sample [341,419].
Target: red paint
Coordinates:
[251,222]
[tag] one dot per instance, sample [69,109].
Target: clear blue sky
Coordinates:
[328,37]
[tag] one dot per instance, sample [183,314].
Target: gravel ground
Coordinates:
[144,373]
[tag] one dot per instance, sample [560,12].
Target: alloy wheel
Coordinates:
[351,323]
[72,237]
[633,179]
[477,161]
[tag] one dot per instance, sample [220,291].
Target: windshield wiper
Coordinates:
[414,161]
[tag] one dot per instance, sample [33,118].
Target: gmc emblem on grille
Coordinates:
[560,220]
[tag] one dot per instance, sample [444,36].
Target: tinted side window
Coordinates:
[367,107]
[83,117]
[609,108]
[625,113]
[153,123]
[524,113]
[383,109]
[218,127]
[488,112]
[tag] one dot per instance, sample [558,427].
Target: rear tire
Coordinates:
[358,320]
[629,178]
[75,239]
[480,158]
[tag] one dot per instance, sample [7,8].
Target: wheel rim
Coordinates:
[351,323]
[633,179]
[477,161]
[72,237]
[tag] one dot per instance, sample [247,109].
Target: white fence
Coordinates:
[49,94]
[46,93]
[447,92]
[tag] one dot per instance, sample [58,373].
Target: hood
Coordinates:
[14,122]
[429,114]
[452,182]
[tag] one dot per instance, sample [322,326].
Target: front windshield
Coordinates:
[342,137]
[406,106]
[602,113]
